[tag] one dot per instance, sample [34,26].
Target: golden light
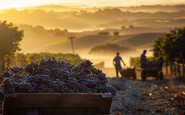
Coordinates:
[6,4]
[15,4]
[9,4]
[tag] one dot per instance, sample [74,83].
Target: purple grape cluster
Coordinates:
[51,76]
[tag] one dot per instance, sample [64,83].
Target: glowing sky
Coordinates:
[4,4]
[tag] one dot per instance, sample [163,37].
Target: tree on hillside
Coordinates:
[10,37]
[170,47]
[116,33]
[131,26]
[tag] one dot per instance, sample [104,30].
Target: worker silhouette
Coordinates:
[117,63]
[143,58]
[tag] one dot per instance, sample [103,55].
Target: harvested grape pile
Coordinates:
[51,76]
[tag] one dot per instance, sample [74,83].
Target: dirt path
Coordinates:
[134,97]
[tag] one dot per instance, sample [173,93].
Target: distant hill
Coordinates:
[58,8]
[39,39]
[109,49]
[62,8]
[75,18]
[89,41]
[154,8]
[126,44]
[143,8]
[137,40]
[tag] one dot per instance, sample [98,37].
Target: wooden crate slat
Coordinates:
[58,103]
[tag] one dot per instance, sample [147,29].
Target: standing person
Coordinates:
[143,58]
[117,63]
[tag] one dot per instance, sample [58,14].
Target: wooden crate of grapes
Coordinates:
[56,88]
[57,103]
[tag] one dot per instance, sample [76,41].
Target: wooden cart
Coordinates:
[57,104]
[152,69]
[128,73]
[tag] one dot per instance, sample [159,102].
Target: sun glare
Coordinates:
[8,4]
[17,4]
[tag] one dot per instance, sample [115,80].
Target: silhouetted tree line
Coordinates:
[41,29]
[170,48]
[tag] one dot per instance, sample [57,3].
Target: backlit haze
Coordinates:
[5,4]
[48,23]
